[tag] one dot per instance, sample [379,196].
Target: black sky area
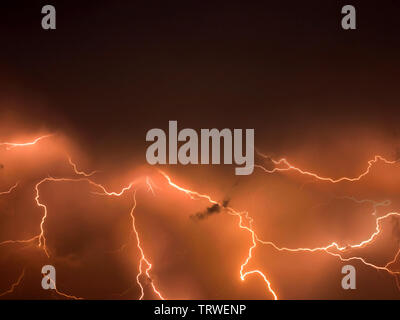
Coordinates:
[114,69]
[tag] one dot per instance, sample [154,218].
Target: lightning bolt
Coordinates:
[77,172]
[19,241]
[245,222]
[15,241]
[11,189]
[14,285]
[42,239]
[334,245]
[12,145]
[289,167]
[195,196]
[143,259]
[395,275]
[72,297]
[41,236]
[103,191]
[19,280]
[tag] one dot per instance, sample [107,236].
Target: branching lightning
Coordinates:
[245,222]
[243,274]
[289,167]
[143,259]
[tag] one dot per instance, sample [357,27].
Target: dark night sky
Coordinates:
[135,65]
